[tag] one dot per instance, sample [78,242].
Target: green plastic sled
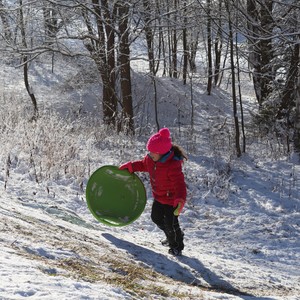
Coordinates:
[115,197]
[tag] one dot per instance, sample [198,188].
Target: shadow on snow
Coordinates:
[194,273]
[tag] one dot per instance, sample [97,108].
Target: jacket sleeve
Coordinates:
[140,165]
[177,176]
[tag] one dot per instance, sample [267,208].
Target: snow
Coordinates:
[241,220]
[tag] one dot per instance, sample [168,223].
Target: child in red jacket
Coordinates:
[164,165]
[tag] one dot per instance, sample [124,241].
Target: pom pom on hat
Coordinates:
[160,142]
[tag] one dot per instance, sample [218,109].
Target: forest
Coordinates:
[217,41]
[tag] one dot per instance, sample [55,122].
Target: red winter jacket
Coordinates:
[166,177]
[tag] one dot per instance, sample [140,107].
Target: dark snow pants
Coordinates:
[163,216]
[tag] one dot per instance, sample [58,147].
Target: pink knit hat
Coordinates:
[160,142]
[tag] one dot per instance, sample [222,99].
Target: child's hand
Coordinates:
[127,166]
[179,204]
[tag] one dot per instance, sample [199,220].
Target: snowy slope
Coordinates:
[51,247]
[241,221]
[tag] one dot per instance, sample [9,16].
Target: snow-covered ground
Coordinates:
[241,221]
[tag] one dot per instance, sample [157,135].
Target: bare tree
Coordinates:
[184,44]
[5,22]
[218,42]
[51,22]
[124,62]
[260,35]
[173,38]
[233,80]
[297,118]
[112,26]
[25,59]
[149,33]
[209,47]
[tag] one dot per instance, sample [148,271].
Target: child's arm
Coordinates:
[135,166]
[176,175]
[181,190]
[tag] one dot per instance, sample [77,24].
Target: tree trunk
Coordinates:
[149,35]
[240,91]
[288,94]
[260,32]
[209,48]
[124,60]
[103,53]
[25,64]
[254,55]
[193,46]
[234,98]
[155,103]
[185,48]
[174,44]
[297,117]
[265,46]
[218,47]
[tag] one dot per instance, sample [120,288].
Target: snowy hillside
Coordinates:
[241,221]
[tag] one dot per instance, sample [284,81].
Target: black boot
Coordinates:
[175,252]
[165,242]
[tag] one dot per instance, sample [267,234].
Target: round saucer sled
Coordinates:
[115,197]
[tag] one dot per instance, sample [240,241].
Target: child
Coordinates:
[164,165]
